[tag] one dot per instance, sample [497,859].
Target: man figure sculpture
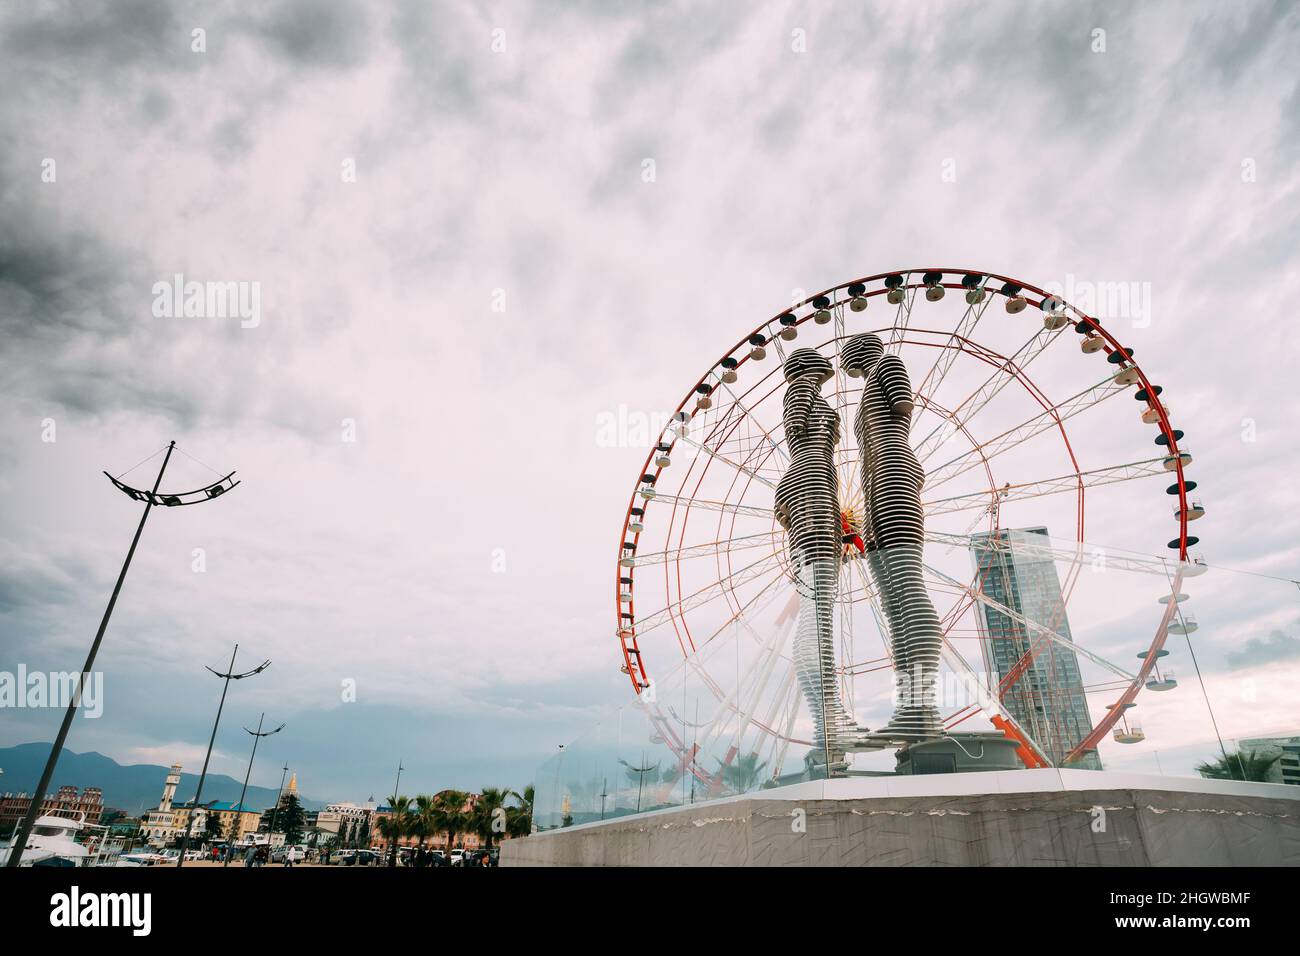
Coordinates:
[893,533]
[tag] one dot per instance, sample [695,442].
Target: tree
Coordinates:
[519,818]
[212,827]
[742,773]
[292,819]
[396,824]
[425,821]
[449,814]
[488,816]
[1241,765]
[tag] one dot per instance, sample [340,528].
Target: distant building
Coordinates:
[167,823]
[336,817]
[1286,757]
[1047,699]
[14,806]
[227,812]
[161,826]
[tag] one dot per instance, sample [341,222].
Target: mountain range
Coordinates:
[132,788]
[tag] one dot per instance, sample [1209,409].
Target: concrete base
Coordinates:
[1013,818]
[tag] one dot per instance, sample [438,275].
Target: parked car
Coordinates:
[457,857]
[295,854]
[367,858]
[343,857]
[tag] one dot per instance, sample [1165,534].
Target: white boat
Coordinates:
[139,858]
[53,841]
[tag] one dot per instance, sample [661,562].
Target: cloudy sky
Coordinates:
[462,265]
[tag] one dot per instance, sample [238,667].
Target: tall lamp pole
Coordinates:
[150,498]
[229,675]
[258,734]
[278,797]
[398,786]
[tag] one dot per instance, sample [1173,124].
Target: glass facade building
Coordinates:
[1047,700]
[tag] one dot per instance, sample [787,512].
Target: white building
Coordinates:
[1286,754]
[336,815]
[161,826]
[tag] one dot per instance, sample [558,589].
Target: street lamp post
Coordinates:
[229,675]
[150,498]
[559,765]
[279,795]
[640,777]
[258,734]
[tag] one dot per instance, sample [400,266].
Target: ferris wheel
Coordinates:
[1026,409]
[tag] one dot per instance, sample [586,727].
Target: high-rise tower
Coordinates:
[1047,699]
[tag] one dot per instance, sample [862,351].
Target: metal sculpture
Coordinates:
[894,535]
[807,506]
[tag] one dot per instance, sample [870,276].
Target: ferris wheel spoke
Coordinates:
[1113,558]
[844,454]
[752,689]
[755,604]
[766,564]
[986,700]
[1030,625]
[702,550]
[1004,375]
[726,507]
[872,595]
[947,356]
[776,445]
[686,439]
[902,317]
[789,697]
[980,500]
[1033,426]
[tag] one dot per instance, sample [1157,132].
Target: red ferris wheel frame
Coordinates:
[948,278]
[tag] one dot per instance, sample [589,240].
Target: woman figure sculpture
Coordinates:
[807,506]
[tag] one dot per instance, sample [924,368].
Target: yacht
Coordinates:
[54,841]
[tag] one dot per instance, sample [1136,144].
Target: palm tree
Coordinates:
[488,818]
[396,825]
[449,815]
[742,773]
[1240,765]
[519,819]
[424,819]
